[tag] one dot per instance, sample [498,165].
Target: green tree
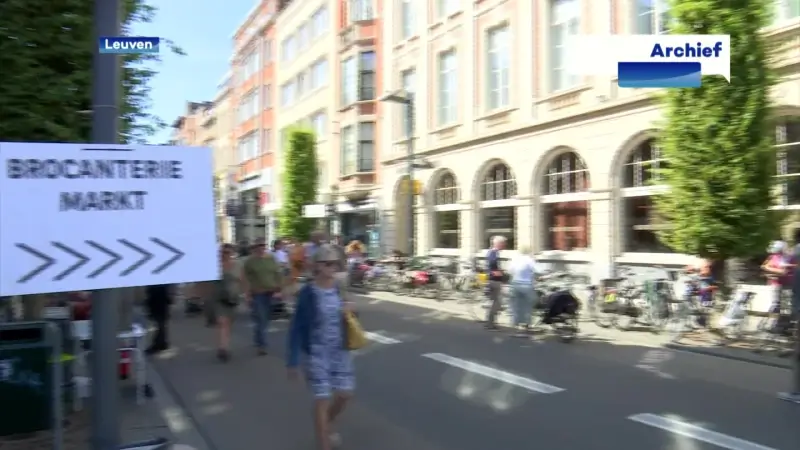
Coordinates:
[46,51]
[718,139]
[299,182]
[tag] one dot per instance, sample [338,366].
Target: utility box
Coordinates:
[27,374]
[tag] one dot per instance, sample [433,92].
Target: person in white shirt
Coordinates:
[522,270]
[281,255]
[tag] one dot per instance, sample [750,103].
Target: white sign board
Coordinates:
[77,217]
[314,211]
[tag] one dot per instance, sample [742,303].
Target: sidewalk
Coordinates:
[139,423]
[248,402]
[702,343]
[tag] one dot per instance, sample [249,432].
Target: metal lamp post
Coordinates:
[252,215]
[331,209]
[407,98]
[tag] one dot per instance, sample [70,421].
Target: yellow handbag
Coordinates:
[355,338]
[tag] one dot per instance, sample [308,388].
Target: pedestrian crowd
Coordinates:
[311,279]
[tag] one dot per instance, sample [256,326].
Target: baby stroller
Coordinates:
[559,309]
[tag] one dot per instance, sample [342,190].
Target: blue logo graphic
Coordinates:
[123,45]
[659,74]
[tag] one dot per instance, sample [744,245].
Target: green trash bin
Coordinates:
[27,376]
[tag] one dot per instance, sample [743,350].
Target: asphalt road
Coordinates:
[431,381]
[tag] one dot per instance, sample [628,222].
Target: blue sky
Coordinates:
[203,29]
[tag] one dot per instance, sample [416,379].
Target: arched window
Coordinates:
[787,138]
[640,183]
[497,218]
[446,214]
[565,203]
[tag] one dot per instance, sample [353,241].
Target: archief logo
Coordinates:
[653,61]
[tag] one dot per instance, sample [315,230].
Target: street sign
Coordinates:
[77,217]
[314,211]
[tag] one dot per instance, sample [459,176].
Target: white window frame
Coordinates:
[446,8]
[320,19]
[350,80]
[288,49]
[784,174]
[302,36]
[565,21]
[349,144]
[655,16]
[319,123]
[498,67]
[303,83]
[783,10]
[408,79]
[360,10]
[288,91]
[319,73]
[407,27]
[367,65]
[365,139]
[447,84]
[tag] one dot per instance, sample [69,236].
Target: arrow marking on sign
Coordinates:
[82,259]
[48,261]
[114,258]
[146,256]
[178,255]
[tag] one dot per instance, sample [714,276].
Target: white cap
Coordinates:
[777,247]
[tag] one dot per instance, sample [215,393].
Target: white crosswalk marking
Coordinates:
[380,338]
[695,432]
[497,374]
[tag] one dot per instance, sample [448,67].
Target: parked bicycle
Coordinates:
[630,303]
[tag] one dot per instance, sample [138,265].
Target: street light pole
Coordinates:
[409,103]
[252,213]
[105,424]
[407,98]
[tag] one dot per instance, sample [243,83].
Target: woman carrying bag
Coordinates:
[323,331]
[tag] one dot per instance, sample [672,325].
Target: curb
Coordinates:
[186,431]
[752,359]
[747,358]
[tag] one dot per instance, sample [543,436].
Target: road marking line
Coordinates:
[380,338]
[696,432]
[497,374]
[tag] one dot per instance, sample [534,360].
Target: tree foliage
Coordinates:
[300,178]
[718,139]
[46,51]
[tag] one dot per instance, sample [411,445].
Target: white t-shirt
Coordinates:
[281,256]
[522,269]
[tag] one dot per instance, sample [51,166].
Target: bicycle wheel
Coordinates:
[764,337]
[479,305]
[680,321]
[607,312]
[566,328]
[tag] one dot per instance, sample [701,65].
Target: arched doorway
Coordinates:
[497,218]
[565,205]
[640,182]
[404,217]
